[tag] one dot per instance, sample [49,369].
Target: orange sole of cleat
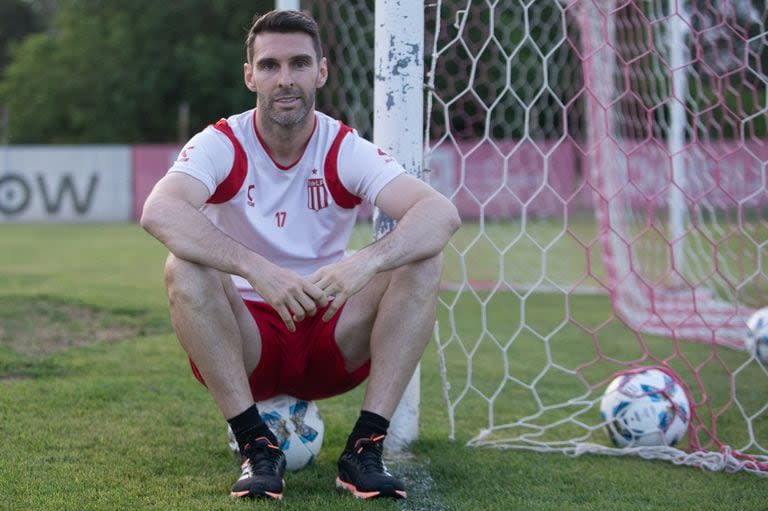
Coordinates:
[366,494]
[271,495]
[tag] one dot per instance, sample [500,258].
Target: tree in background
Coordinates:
[17,20]
[111,71]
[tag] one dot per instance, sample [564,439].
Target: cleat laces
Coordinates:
[261,459]
[370,453]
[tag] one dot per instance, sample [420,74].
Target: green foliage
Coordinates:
[116,71]
[17,20]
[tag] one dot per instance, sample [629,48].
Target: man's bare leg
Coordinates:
[218,333]
[215,329]
[391,320]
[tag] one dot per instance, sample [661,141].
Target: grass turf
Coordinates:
[122,424]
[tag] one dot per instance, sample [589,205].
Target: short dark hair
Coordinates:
[283,22]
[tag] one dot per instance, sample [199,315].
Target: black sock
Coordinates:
[248,426]
[367,425]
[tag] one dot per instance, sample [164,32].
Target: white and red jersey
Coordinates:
[299,217]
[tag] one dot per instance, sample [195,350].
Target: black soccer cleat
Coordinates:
[362,472]
[262,471]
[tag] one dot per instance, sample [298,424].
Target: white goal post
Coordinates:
[398,129]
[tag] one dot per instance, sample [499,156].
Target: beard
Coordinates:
[291,117]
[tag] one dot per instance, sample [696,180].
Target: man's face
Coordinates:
[285,74]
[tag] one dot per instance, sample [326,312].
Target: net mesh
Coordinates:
[608,160]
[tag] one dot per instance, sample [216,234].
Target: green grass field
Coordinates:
[98,408]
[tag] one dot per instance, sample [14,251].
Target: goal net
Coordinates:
[608,159]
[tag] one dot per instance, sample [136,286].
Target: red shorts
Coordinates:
[306,364]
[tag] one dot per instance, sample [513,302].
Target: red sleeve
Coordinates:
[234,180]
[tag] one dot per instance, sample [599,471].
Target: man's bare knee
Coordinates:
[422,276]
[188,282]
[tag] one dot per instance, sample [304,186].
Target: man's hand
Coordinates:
[292,296]
[341,280]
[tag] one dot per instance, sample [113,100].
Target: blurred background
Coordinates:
[110,71]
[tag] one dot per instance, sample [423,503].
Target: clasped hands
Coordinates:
[295,297]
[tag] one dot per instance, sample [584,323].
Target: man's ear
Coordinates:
[322,75]
[248,77]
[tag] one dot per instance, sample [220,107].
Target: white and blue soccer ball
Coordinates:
[647,408]
[296,424]
[757,334]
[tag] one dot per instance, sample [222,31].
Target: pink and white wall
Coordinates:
[91,183]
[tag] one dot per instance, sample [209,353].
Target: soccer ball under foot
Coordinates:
[296,424]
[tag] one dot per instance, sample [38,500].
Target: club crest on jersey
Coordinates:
[317,194]
[184,155]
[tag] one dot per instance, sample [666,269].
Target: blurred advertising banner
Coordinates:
[65,184]
[495,180]
[150,163]
[500,180]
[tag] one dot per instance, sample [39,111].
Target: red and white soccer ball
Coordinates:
[757,334]
[296,424]
[645,408]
